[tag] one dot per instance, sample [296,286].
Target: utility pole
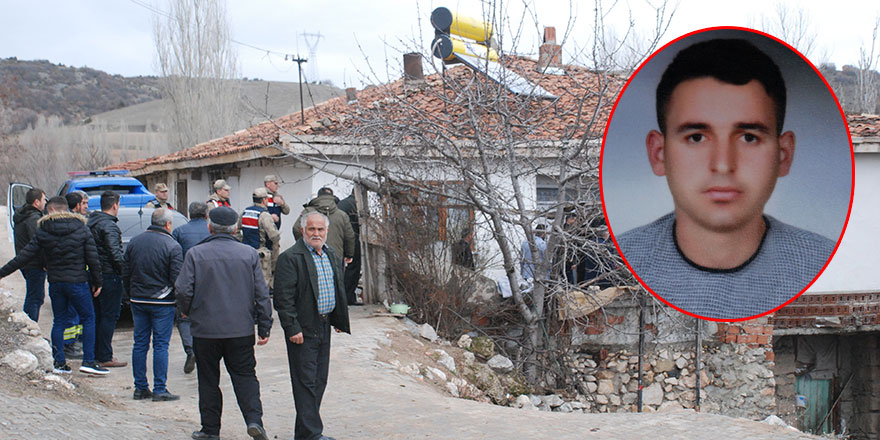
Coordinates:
[299,62]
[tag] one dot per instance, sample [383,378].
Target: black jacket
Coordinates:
[66,246]
[296,292]
[108,239]
[25,223]
[152,262]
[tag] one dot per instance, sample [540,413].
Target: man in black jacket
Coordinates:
[108,239]
[353,268]
[68,249]
[222,305]
[306,316]
[152,263]
[25,224]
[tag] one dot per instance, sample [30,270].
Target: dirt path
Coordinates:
[365,399]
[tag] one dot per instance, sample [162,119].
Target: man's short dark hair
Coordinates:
[732,61]
[73,200]
[57,203]
[108,199]
[325,191]
[198,210]
[33,195]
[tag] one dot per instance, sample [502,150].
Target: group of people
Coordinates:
[212,276]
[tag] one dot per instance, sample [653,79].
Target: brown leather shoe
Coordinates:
[113,363]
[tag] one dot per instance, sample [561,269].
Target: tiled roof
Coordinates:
[577,89]
[864,125]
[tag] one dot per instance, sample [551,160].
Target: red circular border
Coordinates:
[851,156]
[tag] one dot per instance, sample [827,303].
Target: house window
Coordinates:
[547,192]
[429,207]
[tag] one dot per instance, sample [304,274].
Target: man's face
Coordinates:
[223,192]
[272,186]
[163,195]
[315,231]
[83,207]
[40,203]
[720,154]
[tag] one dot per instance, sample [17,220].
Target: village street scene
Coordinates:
[565,220]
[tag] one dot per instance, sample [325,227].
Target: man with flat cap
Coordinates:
[222,306]
[275,203]
[161,200]
[220,196]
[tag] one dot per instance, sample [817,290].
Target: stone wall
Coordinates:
[736,376]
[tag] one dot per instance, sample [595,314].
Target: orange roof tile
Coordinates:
[580,91]
[864,125]
[562,118]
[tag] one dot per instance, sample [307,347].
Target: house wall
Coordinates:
[853,267]
[297,185]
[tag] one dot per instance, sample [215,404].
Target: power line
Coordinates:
[158,11]
[313,51]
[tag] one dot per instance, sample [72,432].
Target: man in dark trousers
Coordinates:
[353,268]
[25,224]
[309,298]
[152,263]
[222,305]
[65,244]
[187,236]
[108,239]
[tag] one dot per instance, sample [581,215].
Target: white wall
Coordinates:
[855,265]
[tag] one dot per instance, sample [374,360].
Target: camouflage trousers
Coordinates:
[267,263]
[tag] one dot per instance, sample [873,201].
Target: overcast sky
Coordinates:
[116,35]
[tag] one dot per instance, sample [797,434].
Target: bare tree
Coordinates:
[867,87]
[488,148]
[792,25]
[200,77]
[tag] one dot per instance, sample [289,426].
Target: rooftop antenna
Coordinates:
[312,41]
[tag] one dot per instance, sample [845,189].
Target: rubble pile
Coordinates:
[23,349]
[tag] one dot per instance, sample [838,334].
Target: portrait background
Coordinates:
[814,196]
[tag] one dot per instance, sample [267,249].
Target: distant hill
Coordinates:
[83,95]
[40,87]
[845,85]
[260,100]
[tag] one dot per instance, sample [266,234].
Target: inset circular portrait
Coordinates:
[727,174]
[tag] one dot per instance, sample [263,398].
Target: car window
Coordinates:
[133,221]
[97,190]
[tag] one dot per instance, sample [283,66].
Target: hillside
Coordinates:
[40,87]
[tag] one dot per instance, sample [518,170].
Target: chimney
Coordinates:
[412,68]
[549,53]
[351,95]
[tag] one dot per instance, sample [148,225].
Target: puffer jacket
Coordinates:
[152,263]
[25,224]
[108,239]
[67,248]
[341,235]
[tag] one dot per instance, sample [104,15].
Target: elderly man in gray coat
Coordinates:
[222,305]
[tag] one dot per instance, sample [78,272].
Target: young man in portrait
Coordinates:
[721,146]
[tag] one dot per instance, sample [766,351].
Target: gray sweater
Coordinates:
[786,262]
[221,288]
